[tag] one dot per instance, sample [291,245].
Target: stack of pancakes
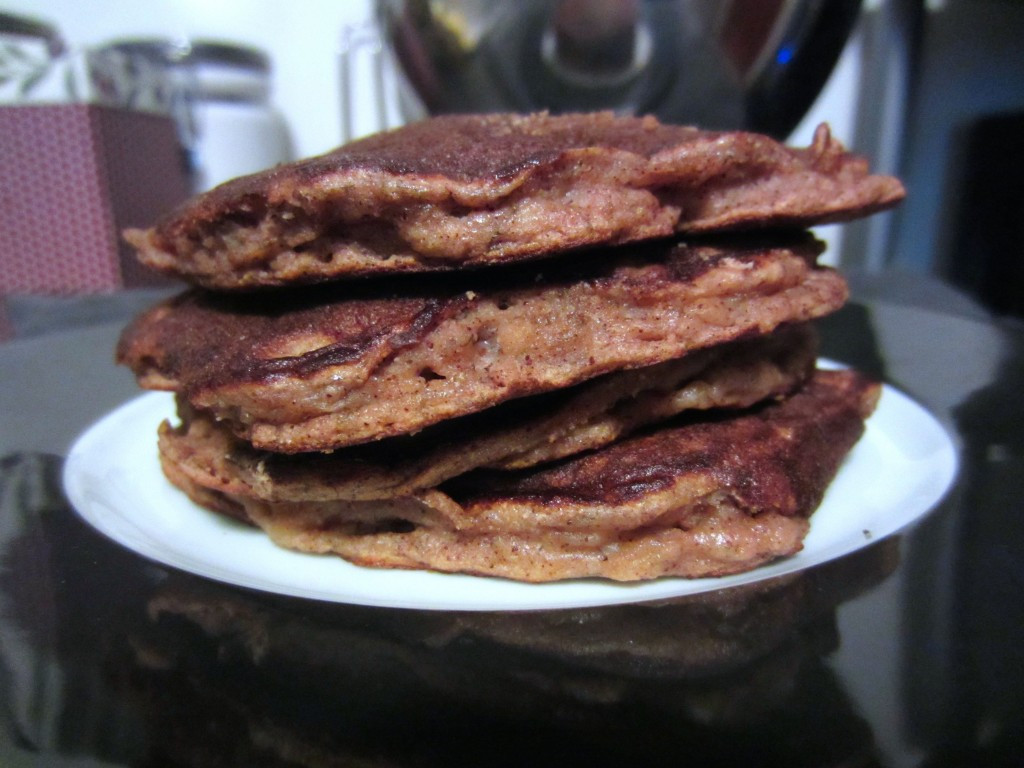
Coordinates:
[531,346]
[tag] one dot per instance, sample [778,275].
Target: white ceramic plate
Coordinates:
[900,469]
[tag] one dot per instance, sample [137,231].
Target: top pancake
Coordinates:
[470,190]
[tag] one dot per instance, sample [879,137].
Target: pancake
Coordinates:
[469,190]
[310,370]
[707,496]
[518,434]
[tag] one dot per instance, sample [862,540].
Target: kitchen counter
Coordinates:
[909,652]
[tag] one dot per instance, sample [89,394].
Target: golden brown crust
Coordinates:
[792,448]
[310,372]
[465,190]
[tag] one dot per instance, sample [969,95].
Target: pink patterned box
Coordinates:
[72,176]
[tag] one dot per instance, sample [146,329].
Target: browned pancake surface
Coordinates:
[308,371]
[701,498]
[521,433]
[466,190]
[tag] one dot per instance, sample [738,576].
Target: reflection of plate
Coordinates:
[897,472]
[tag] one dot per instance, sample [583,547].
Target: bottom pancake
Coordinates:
[703,496]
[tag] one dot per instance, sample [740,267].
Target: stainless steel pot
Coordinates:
[754,64]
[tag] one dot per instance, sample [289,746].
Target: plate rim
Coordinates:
[578,593]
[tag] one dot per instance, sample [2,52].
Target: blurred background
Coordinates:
[932,91]
[111,111]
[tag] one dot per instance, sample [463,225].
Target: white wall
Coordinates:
[301,36]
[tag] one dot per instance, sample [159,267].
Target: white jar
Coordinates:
[32,53]
[237,130]
[218,94]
